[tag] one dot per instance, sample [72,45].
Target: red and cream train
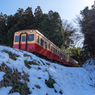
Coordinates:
[34,41]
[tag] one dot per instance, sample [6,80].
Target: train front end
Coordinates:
[24,40]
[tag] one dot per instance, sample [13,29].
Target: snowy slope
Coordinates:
[68,80]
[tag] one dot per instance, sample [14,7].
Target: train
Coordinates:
[33,41]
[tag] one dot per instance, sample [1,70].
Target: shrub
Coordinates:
[50,82]
[37,86]
[26,55]
[13,79]
[42,62]
[60,92]
[11,55]
[28,63]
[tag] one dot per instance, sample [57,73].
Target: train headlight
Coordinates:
[31,31]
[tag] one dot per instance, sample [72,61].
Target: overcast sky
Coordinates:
[67,9]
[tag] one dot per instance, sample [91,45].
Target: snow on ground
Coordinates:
[1,75]
[68,80]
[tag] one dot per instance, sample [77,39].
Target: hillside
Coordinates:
[22,73]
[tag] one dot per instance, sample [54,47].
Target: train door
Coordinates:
[23,41]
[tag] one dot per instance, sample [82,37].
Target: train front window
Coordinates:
[23,38]
[31,37]
[16,38]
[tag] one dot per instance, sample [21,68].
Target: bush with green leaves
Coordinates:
[50,82]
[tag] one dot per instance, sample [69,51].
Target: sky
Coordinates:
[67,9]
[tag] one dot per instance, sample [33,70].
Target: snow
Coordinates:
[15,93]
[1,75]
[5,90]
[69,80]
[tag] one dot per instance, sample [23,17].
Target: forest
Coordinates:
[59,31]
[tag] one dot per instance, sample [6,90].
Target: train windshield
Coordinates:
[31,37]
[16,38]
[23,38]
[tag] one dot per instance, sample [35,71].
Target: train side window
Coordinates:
[46,45]
[42,42]
[31,37]
[61,54]
[49,46]
[16,38]
[38,39]
[53,50]
[58,52]
[23,38]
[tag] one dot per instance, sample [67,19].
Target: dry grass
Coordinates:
[50,82]
[12,78]
[11,55]
[28,63]
[26,55]
[37,86]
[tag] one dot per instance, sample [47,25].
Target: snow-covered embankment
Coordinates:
[22,73]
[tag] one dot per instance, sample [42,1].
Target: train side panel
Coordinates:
[47,51]
[72,62]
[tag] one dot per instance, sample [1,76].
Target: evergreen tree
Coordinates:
[3,27]
[52,28]
[18,15]
[9,37]
[49,25]
[75,53]
[38,12]
[38,17]
[87,24]
[27,19]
